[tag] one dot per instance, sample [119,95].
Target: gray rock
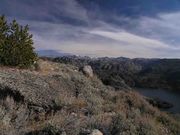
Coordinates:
[63,133]
[96,132]
[87,70]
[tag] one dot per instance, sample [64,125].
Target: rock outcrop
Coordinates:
[96,132]
[159,103]
[87,70]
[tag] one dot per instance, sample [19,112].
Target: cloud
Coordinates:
[72,27]
[130,39]
[105,40]
[44,10]
[164,28]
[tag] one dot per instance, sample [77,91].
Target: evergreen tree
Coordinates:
[17,46]
[4,29]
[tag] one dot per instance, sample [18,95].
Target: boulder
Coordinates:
[63,133]
[87,70]
[96,132]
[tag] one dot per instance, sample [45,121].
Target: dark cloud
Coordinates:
[65,11]
[133,28]
[132,7]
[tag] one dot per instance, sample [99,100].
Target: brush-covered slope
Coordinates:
[58,99]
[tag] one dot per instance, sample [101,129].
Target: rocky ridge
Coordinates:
[124,72]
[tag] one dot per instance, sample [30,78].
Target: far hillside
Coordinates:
[123,72]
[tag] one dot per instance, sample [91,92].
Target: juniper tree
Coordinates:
[17,47]
[3,34]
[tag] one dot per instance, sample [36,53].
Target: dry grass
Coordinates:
[97,106]
[124,116]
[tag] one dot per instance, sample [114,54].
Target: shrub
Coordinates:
[16,44]
[48,130]
[169,123]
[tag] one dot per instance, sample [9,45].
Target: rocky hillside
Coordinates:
[123,72]
[59,99]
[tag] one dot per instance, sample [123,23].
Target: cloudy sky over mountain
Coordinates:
[130,28]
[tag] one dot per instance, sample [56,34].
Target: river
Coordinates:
[172,97]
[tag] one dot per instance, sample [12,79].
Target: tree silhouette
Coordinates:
[16,44]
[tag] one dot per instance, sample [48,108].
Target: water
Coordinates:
[165,95]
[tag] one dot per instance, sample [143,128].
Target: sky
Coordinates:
[98,28]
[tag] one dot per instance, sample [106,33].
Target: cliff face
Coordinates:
[124,72]
[58,99]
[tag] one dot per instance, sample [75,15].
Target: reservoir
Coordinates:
[169,96]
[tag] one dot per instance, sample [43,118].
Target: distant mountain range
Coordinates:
[51,53]
[124,72]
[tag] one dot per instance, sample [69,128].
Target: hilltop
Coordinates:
[59,99]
